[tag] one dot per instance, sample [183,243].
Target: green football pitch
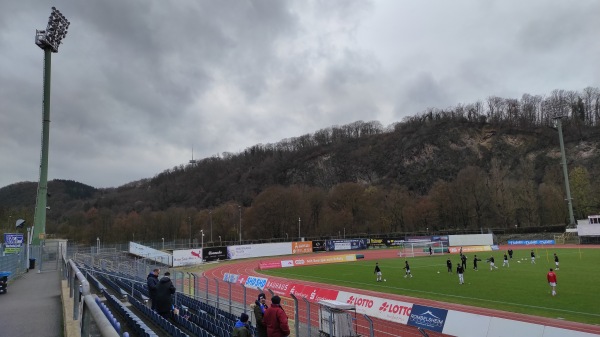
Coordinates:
[520,288]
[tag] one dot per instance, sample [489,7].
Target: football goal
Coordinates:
[421,248]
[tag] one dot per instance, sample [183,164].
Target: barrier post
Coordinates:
[296,316]
[371,331]
[308,322]
[217,293]
[229,285]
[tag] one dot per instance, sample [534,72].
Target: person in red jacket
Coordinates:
[551,276]
[276,319]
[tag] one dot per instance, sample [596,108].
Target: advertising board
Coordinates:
[187,257]
[259,250]
[427,317]
[150,253]
[531,242]
[13,243]
[302,247]
[390,310]
[214,253]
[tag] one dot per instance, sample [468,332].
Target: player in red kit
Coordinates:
[551,276]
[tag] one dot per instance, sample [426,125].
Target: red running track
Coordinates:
[250,267]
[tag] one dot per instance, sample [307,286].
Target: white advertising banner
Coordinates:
[471,240]
[187,257]
[150,253]
[260,250]
[389,310]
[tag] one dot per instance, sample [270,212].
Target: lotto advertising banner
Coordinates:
[260,250]
[214,253]
[389,310]
[427,317]
[351,244]
[12,243]
[469,249]
[530,242]
[150,253]
[302,247]
[187,257]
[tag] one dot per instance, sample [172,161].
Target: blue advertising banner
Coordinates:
[12,243]
[530,242]
[255,282]
[427,318]
[349,244]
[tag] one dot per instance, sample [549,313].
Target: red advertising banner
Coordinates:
[269,265]
[302,247]
[313,294]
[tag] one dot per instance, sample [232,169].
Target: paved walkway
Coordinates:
[32,306]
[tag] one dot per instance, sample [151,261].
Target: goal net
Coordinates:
[421,248]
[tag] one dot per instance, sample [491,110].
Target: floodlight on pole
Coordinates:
[565,170]
[240,209]
[49,40]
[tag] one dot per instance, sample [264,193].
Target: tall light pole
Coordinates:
[190,223]
[48,40]
[202,242]
[240,209]
[210,216]
[97,245]
[565,171]
[220,241]
[299,238]
[163,240]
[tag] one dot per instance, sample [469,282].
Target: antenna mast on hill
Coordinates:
[192,161]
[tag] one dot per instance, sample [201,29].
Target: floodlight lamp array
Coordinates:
[55,32]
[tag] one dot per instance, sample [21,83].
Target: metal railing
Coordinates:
[85,308]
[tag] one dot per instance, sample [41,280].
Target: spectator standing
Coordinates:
[407,268]
[152,283]
[164,296]
[460,271]
[259,308]
[505,261]
[551,277]
[430,251]
[532,257]
[241,327]
[276,319]
[377,271]
[556,260]
[475,260]
[449,265]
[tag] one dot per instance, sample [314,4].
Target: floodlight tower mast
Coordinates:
[48,40]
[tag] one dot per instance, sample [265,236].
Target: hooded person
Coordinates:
[164,296]
[242,327]
[152,283]
[276,319]
[259,308]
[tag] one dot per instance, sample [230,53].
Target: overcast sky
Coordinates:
[138,83]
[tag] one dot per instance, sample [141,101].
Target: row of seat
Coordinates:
[133,321]
[156,318]
[112,285]
[113,321]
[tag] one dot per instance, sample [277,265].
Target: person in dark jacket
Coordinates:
[259,308]
[152,282]
[164,294]
[449,265]
[276,319]
[242,327]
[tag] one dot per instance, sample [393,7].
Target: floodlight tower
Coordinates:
[48,40]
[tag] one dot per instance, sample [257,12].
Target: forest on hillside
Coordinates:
[491,164]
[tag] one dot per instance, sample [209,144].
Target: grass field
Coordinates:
[520,288]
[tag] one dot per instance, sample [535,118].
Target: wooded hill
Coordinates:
[492,164]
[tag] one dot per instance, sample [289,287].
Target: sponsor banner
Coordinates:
[469,249]
[471,240]
[231,278]
[427,317]
[531,242]
[324,259]
[255,282]
[226,277]
[318,246]
[389,310]
[150,253]
[287,263]
[214,253]
[495,247]
[12,243]
[280,287]
[313,294]
[269,265]
[242,279]
[259,250]
[350,244]
[187,257]
[393,242]
[302,247]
